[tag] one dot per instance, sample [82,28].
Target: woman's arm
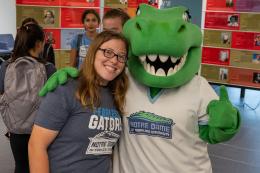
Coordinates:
[38,145]
[73,57]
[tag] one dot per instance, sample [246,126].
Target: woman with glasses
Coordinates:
[79,123]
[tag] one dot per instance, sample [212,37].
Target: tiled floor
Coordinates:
[239,155]
[6,159]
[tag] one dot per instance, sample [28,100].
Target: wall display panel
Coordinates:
[244,77]
[222,20]
[131,12]
[217,38]
[53,36]
[248,5]
[245,59]
[80,3]
[250,22]
[232,33]
[219,56]
[62,58]
[61,20]
[67,35]
[129,6]
[246,40]
[234,5]
[217,74]
[221,5]
[46,16]
[135,3]
[39,2]
[71,17]
[194,7]
[116,3]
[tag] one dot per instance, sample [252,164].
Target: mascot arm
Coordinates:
[60,77]
[224,120]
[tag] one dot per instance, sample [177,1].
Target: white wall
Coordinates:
[7,17]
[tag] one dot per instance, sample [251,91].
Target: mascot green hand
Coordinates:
[60,77]
[224,120]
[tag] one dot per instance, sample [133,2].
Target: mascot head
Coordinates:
[165,48]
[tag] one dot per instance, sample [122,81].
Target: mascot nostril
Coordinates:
[138,26]
[181,29]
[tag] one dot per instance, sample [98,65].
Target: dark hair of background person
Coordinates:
[48,52]
[117,12]
[88,88]
[26,39]
[90,11]
[29,20]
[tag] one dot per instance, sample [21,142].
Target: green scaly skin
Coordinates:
[168,32]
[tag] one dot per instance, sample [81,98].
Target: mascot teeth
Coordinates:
[163,58]
[162,65]
[173,59]
[142,58]
[160,72]
[152,57]
[152,70]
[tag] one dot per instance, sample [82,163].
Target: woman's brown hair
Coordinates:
[89,81]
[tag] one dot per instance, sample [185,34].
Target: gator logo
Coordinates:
[146,123]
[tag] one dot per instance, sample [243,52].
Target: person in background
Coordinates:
[48,53]
[79,123]
[114,20]
[80,43]
[29,42]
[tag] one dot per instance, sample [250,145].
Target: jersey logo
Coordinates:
[146,123]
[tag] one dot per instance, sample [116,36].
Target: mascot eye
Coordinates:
[186,16]
[138,11]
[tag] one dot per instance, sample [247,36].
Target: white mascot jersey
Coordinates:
[162,136]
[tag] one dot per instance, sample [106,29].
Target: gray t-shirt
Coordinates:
[86,138]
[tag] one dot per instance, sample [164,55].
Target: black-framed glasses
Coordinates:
[109,53]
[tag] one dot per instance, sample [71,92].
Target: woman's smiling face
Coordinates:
[109,68]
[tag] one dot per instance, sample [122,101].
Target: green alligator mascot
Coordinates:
[172,113]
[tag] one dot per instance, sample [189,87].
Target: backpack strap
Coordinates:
[6,63]
[79,40]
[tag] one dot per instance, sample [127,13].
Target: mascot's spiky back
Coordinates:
[172,113]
